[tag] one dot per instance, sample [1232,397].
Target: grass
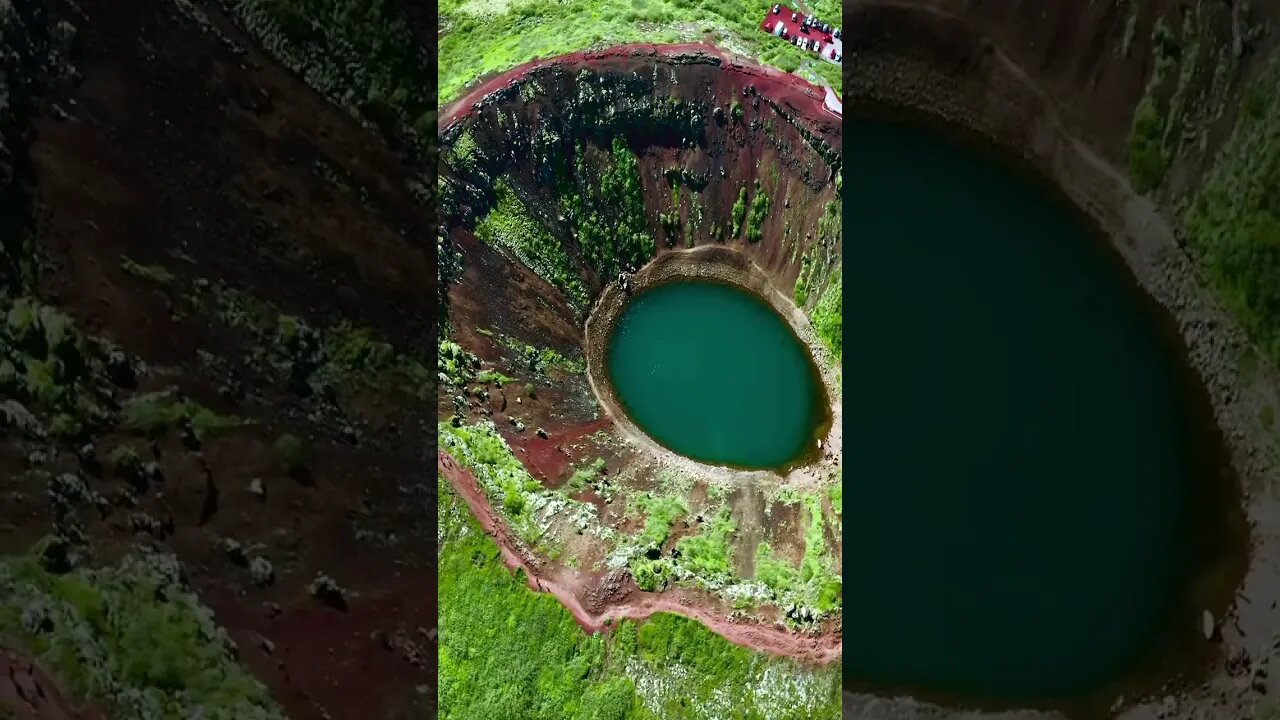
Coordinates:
[759,211]
[159,412]
[153,273]
[1233,224]
[828,318]
[813,584]
[131,636]
[485,38]
[738,213]
[583,477]
[540,361]
[709,554]
[660,513]
[604,202]
[509,653]
[509,225]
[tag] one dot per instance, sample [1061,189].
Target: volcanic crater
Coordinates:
[567,187]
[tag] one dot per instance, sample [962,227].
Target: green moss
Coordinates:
[502,477]
[456,366]
[609,214]
[660,513]
[709,554]
[1147,158]
[1233,224]
[152,273]
[159,412]
[131,636]
[290,452]
[584,477]
[801,292]
[738,213]
[540,361]
[509,225]
[828,318]
[759,211]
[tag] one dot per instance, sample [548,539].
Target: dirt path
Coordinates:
[30,693]
[638,605]
[804,97]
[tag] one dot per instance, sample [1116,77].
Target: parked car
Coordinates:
[794,16]
[777,9]
[836,34]
[785,35]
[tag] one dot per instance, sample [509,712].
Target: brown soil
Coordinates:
[1045,83]
[29,693]
[200,154]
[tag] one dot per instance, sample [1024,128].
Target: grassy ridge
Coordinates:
[130,635]
[508,653]
[483,38]
[1233,225]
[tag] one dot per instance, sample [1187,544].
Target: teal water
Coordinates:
[714,374]
[1023,449]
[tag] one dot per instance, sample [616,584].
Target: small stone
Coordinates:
[261,572]
[233,550]
[267,646]
[328,591]
[257,488]
[1207,625]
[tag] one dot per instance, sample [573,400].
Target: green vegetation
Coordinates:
[493,377]
[583,477]
[542,360]
[507,652]
[509,225]
[159,412]
[708,554]
[813,585]
[153,273]
[132,636]
[1147,158]
[456,367]
[660,513]
[505,481]
[1233,224]
[759,211]
[828,318]
[738,213]
[801,293]
[340,361]
[360,53]
[607,211]
[482,38]
[290,452]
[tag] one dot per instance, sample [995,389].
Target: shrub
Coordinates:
[290,452]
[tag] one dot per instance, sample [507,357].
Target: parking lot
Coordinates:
[820,37]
